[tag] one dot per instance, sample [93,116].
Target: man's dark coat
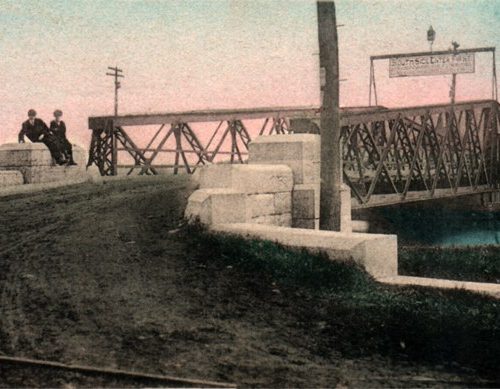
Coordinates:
[33,131]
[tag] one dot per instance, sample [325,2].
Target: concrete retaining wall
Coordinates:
[376,253]
[476,287]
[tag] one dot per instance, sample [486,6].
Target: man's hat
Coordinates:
[31,112]
[57,112]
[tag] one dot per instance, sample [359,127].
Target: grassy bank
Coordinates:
[358,316]
[480,263]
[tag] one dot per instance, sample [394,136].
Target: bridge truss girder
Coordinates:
[424,152]
[390,155]
[109,139]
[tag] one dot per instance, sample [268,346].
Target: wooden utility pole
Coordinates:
[454,76]
[331,156]
[117,73]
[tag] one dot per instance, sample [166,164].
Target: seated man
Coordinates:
[37,131]
[58,128]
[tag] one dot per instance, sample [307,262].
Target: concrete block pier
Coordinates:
[31,163]
[301,153]
[260,194]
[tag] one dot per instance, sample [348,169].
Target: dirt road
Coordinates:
[99,275]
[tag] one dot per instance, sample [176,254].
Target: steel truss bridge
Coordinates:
[389,155]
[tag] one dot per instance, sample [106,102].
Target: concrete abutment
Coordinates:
[276,197]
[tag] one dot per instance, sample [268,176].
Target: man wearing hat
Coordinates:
[58,128]
[37,131]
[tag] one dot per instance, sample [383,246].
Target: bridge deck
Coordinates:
[383,200]
[349,115]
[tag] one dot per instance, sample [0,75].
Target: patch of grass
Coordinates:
[479,263]
[359,316]
[291,267]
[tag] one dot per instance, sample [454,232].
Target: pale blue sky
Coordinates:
[180,55]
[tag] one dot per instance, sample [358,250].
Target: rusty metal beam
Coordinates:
[350,118]
[383,200]
[205,116]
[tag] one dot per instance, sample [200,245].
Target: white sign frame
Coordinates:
[431,65]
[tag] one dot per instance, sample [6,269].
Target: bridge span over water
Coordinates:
[390,156]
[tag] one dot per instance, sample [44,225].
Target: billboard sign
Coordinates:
[430,64]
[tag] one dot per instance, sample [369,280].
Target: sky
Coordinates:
[194,54]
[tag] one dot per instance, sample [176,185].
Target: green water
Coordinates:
[444,227]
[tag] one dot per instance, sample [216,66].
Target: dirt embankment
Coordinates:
[99,275]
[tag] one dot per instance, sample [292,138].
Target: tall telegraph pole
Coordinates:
[454,76]
[117,73]
[331,158]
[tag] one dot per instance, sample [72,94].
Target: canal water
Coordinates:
[444,227]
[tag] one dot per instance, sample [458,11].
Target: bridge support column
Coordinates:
[491,200]
[494,155]
[301,152]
